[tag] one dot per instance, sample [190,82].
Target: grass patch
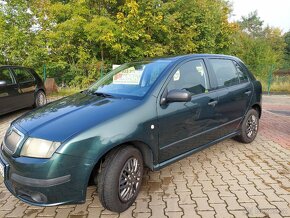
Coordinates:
[65,92]
[278,84]
[280,87]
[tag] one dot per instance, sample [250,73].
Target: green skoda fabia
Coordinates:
[142,114]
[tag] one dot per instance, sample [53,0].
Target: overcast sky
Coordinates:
[276,13]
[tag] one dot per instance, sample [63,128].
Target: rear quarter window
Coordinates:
[241,73]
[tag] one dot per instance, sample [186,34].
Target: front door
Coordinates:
[9,94]
[184,126]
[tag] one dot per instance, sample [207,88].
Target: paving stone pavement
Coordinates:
[228,179]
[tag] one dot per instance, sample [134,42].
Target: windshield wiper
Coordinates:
[105,95]
[102,94]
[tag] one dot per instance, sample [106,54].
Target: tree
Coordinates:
[17,33]
[287,50]
[252,24]
[260,47]
[77,39]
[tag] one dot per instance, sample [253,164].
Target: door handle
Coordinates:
[212,103]
[248,93]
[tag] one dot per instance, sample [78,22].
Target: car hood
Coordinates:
[60,120]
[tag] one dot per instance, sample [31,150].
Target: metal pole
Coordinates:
[44,72]
[270,75]
[102,54]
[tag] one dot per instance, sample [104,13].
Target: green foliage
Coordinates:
[287,51]
[261,48]
[252,24]
[79,40]
[16,33]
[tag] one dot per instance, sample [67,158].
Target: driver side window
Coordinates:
[6,75]
[191,76]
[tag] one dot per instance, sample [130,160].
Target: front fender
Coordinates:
[139,124]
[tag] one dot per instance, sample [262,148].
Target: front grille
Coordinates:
[12,140]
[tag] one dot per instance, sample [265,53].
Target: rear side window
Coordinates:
[23,75]
[190,76]
[226,72]
[6,75]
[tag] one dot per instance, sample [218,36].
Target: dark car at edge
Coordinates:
[143,114]
[20,87]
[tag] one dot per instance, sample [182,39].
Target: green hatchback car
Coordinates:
[142,114]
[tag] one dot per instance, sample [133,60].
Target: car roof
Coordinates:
[184,57]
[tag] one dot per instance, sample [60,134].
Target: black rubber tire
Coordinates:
[243,136]
[36,101]
[108,178]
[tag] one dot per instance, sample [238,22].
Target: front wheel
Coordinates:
[120,178]
[40,99]
[249,127]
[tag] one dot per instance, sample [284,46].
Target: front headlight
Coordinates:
[39,148]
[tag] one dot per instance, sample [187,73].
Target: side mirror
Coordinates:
[176,96]
[2,83]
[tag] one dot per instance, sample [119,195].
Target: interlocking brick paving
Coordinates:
[276,119]
[228,179]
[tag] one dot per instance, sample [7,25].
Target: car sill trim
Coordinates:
[190,152]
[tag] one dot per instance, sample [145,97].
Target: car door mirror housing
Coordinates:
[176,96]
[3,83]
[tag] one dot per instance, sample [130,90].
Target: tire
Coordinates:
[249,127]
[112,179]
[40,99]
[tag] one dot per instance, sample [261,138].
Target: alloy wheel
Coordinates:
[252,126]
[41,99]
[130,179]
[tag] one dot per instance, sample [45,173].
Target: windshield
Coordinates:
[133,79]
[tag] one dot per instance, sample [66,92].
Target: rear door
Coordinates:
[27,85]
[234,91]
[9,93]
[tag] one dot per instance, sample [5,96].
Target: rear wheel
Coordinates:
[120,178]
[249,127]
[40,99]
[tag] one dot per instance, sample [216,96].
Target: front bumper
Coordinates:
[61,179]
